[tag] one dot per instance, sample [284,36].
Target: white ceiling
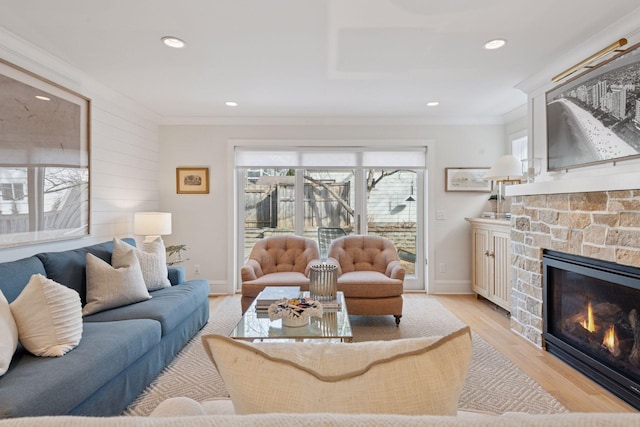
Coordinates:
[313,58]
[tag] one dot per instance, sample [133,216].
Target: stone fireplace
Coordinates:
[604,225]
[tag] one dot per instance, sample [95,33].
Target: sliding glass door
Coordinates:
[323,203]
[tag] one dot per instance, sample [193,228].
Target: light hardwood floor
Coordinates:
[575,391]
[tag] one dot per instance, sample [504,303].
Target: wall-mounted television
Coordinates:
[595,117]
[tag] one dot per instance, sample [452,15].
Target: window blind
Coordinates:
[331,157]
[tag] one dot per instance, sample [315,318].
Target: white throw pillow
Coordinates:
[48,316]
[412,376]
[152,258]
[8,334]
[110,287]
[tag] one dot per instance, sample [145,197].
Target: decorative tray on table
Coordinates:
[295,312]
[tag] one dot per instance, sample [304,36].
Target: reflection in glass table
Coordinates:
[333,325]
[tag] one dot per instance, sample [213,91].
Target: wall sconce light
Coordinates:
[590,59]
[152,224]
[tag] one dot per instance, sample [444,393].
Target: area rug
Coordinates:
[494,384]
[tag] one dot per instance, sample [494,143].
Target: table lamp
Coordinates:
[152,224]
[507,169]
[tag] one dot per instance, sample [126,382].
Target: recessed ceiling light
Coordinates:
[433,104]
[173,42]
[43,98]
[231,104]
[495,44]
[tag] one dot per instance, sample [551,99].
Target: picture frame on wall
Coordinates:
[595,117]
[192,180]
[467,179]
[44,159]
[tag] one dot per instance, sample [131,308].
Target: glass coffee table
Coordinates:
[333,325]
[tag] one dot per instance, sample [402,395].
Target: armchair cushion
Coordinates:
[280,254]
[366,253]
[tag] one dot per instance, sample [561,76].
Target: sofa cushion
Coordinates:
[48,316]
[49,386]
[69,267]
[408,376]
[113,286]
[9,334]
[152,258]
[15,275]
[169,306]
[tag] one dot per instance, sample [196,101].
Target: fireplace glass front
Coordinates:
[591,314]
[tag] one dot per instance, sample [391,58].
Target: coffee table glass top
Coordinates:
[257,326]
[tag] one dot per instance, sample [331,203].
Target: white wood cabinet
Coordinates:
[491,259]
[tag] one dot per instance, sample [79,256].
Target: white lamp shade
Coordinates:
[152,223]
[507,168]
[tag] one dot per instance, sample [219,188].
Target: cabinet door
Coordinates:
[501,265]
[481,272]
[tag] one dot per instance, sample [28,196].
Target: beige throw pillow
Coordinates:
[415,376]
[48,316]
[152,258]
[8,335]
[109,287]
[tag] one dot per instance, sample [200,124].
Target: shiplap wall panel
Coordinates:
[125,150]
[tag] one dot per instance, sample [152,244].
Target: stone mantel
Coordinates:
[578,184]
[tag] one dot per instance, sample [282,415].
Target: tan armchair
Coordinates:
[369,274]
[277,261]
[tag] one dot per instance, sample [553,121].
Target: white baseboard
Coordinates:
[451,287]
[218,287]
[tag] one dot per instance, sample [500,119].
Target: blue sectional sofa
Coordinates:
[121,351]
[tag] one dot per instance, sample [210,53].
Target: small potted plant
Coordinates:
[493,200]
[174,254]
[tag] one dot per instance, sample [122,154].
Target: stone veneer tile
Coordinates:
[540,227]
[621,194]
[609,219]
[588,201]
[559,245]
[548,216]
[537,201]
[517,209]
[575,241]
[624,205]
[624,237]
[630,219]
[595,234]
[628,257]
[574,219]
[541,240]
[605,253]
[558,202]
[531,213]
[522,223]
[560,233]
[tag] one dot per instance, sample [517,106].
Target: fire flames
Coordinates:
[588,324]
[611,341]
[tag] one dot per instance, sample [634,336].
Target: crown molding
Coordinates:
[329,121]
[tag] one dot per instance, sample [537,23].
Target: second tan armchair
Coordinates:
[369,274]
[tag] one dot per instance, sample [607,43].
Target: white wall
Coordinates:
[202,222]
[124,150]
